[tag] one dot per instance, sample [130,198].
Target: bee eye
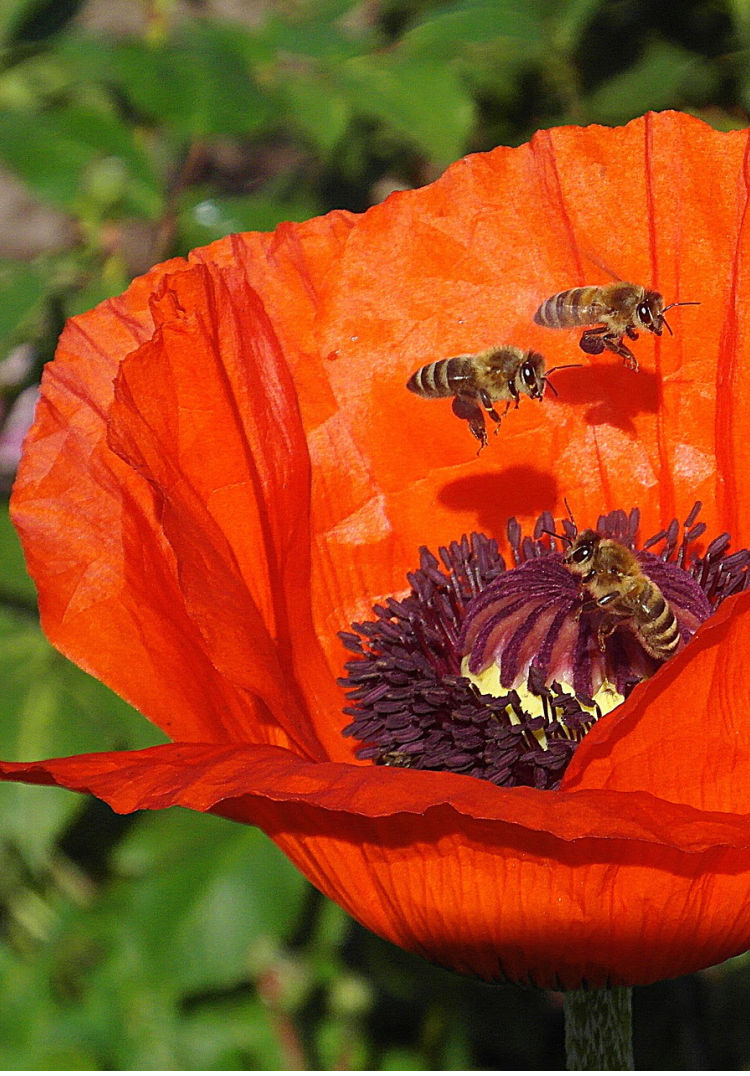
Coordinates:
[582,553]
[528,375]
[644,313]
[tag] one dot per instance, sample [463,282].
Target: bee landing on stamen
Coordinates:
[619,309]
[499,673]
[612,577]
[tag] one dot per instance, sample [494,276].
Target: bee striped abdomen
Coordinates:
[577,306]
[445,377]
[658,630]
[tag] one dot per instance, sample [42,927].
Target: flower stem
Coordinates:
[599,1029]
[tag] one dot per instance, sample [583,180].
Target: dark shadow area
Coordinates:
[496,496]
[611,394]
[93,835]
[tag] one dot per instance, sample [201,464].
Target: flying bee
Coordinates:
[499,373]
[614,579]
[620,309]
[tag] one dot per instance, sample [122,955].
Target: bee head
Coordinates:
[580,556]
[530,379]
[650,311]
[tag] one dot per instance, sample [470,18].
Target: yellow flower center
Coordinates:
[605,699]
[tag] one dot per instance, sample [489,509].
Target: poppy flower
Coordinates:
[226,471]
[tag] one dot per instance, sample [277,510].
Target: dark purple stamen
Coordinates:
[411,705]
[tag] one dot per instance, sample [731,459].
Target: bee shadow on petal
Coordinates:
[614,395]
[497,495]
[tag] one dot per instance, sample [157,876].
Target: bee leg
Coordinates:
[498,418]
[586,604]
[605,629]
[487,401]
[514,394]
[611,618]
[466,407]
[591,342]
[633,335]
[614,343]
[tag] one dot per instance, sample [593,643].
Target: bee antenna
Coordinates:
[568,366]
[569,510]
[548,382]
[666,308]
[693,303]
[561,537]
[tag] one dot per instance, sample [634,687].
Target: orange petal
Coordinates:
[359,304]
[184,459]
[356,304]
[683,734]
[550,888]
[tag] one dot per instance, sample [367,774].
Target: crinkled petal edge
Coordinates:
[204,777]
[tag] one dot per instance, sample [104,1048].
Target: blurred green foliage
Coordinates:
[143,129]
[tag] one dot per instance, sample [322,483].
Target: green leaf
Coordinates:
[320,110]
[743,67]
[446,31]
[422,100]
[34,20]
[569,21]
[286,45]
[56,1009]
[662,78]
[33,724]
[84,59]
[212,881]
[323,30]
[53,150]
[740,10]
[14,579]
[104,281]
[129,975]
[49,708]
[24,288]
[231,1034]
[199,82]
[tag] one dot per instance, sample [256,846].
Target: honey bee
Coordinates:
[620,309]
[615,580]
[499,373]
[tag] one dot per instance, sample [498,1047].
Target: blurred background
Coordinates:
[134,131]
